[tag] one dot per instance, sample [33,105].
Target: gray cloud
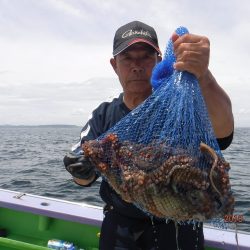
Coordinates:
[49,49]
[65,103]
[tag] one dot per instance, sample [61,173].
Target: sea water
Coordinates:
[31,161]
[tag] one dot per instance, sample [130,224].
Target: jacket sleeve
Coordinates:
[226,141]
[75,162]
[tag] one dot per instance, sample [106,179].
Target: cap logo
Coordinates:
[135,32]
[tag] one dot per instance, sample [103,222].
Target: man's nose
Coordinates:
[137,66]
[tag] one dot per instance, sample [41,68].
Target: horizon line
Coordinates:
[69,125]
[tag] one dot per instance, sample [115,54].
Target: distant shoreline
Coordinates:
[48,125]
[66,126]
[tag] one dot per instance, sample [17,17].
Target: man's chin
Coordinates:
[141,89]
[140,83]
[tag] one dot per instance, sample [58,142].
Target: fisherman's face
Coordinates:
[134,67]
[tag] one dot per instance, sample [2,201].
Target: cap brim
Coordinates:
[133,41]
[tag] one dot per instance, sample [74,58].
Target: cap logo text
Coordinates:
[135,32]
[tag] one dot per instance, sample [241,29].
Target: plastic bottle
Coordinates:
[61,245]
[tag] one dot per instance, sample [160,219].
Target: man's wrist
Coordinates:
[205,78]
[85,182]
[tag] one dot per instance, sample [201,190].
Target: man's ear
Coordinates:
[113,64]
[159,58]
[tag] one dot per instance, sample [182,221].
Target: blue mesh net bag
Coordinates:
[163,156]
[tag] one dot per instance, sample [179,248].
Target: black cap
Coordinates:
[134,32]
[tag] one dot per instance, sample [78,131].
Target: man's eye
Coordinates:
[150,54]
[149,57]
[126,58]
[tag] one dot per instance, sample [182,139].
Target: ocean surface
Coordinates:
[31,162]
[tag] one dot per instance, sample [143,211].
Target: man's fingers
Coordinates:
[174,37]
[191,66]
[190,38]
[192,53]
[189,55]
[183,66]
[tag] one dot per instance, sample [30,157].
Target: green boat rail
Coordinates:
[28,222]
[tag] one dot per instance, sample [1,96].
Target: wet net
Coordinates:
[163,156]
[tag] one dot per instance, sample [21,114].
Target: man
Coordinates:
[136,52]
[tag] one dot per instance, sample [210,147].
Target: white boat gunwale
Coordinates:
[51,207]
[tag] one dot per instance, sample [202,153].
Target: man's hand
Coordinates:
[80,168]
[192,54]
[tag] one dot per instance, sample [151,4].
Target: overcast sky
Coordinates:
[54,54]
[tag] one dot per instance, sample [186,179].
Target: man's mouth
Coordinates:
[138,80]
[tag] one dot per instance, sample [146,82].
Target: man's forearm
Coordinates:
[218,105]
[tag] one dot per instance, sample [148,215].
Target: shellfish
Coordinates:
[162,182]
